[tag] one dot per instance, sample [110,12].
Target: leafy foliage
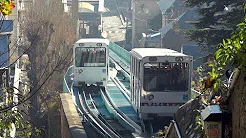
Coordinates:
[199,123]
[215,23]
[13,122]
[6,6]
[161,133]
[231,52]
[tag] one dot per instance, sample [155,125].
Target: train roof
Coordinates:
[150,52]
[96,40]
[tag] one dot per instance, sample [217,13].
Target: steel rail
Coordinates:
[86,115]
[90,117]
[109,132]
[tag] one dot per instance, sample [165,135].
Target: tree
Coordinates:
[231,54]
[217,21]
[48,29]
[13,118]
[232,51]
[50,35]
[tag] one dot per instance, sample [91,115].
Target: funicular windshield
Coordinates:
[166,76]
[90,56]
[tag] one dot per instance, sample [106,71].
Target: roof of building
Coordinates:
[165,5]
[169,26]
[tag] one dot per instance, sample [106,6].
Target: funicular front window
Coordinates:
[166,76]
[90,57]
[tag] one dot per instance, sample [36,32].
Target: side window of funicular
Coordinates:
[180,76]
[102,57]
[150,76]
[79,57]
[165,76]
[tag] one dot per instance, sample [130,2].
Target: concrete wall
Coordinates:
[71,125]
[65,131]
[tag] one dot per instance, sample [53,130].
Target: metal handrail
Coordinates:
[64,79]
[124,90]
[119,65]
[176,129]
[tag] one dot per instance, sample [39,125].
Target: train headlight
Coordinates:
[81,44]
[179,59]
[99,44]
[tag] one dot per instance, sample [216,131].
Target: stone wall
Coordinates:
[237,106]
[71,126]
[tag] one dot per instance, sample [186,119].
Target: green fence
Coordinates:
[121,52]
[67,80]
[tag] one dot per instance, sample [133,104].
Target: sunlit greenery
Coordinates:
[231,53]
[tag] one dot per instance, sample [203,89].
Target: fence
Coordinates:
[121,52]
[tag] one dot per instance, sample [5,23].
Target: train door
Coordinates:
[138,84]
[135,82]
[107,60]
[132,79]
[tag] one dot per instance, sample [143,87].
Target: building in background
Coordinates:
[173,34]
[170,10]
[151,40]
[199,57]
[142,12]
[90,18]
[6,29]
